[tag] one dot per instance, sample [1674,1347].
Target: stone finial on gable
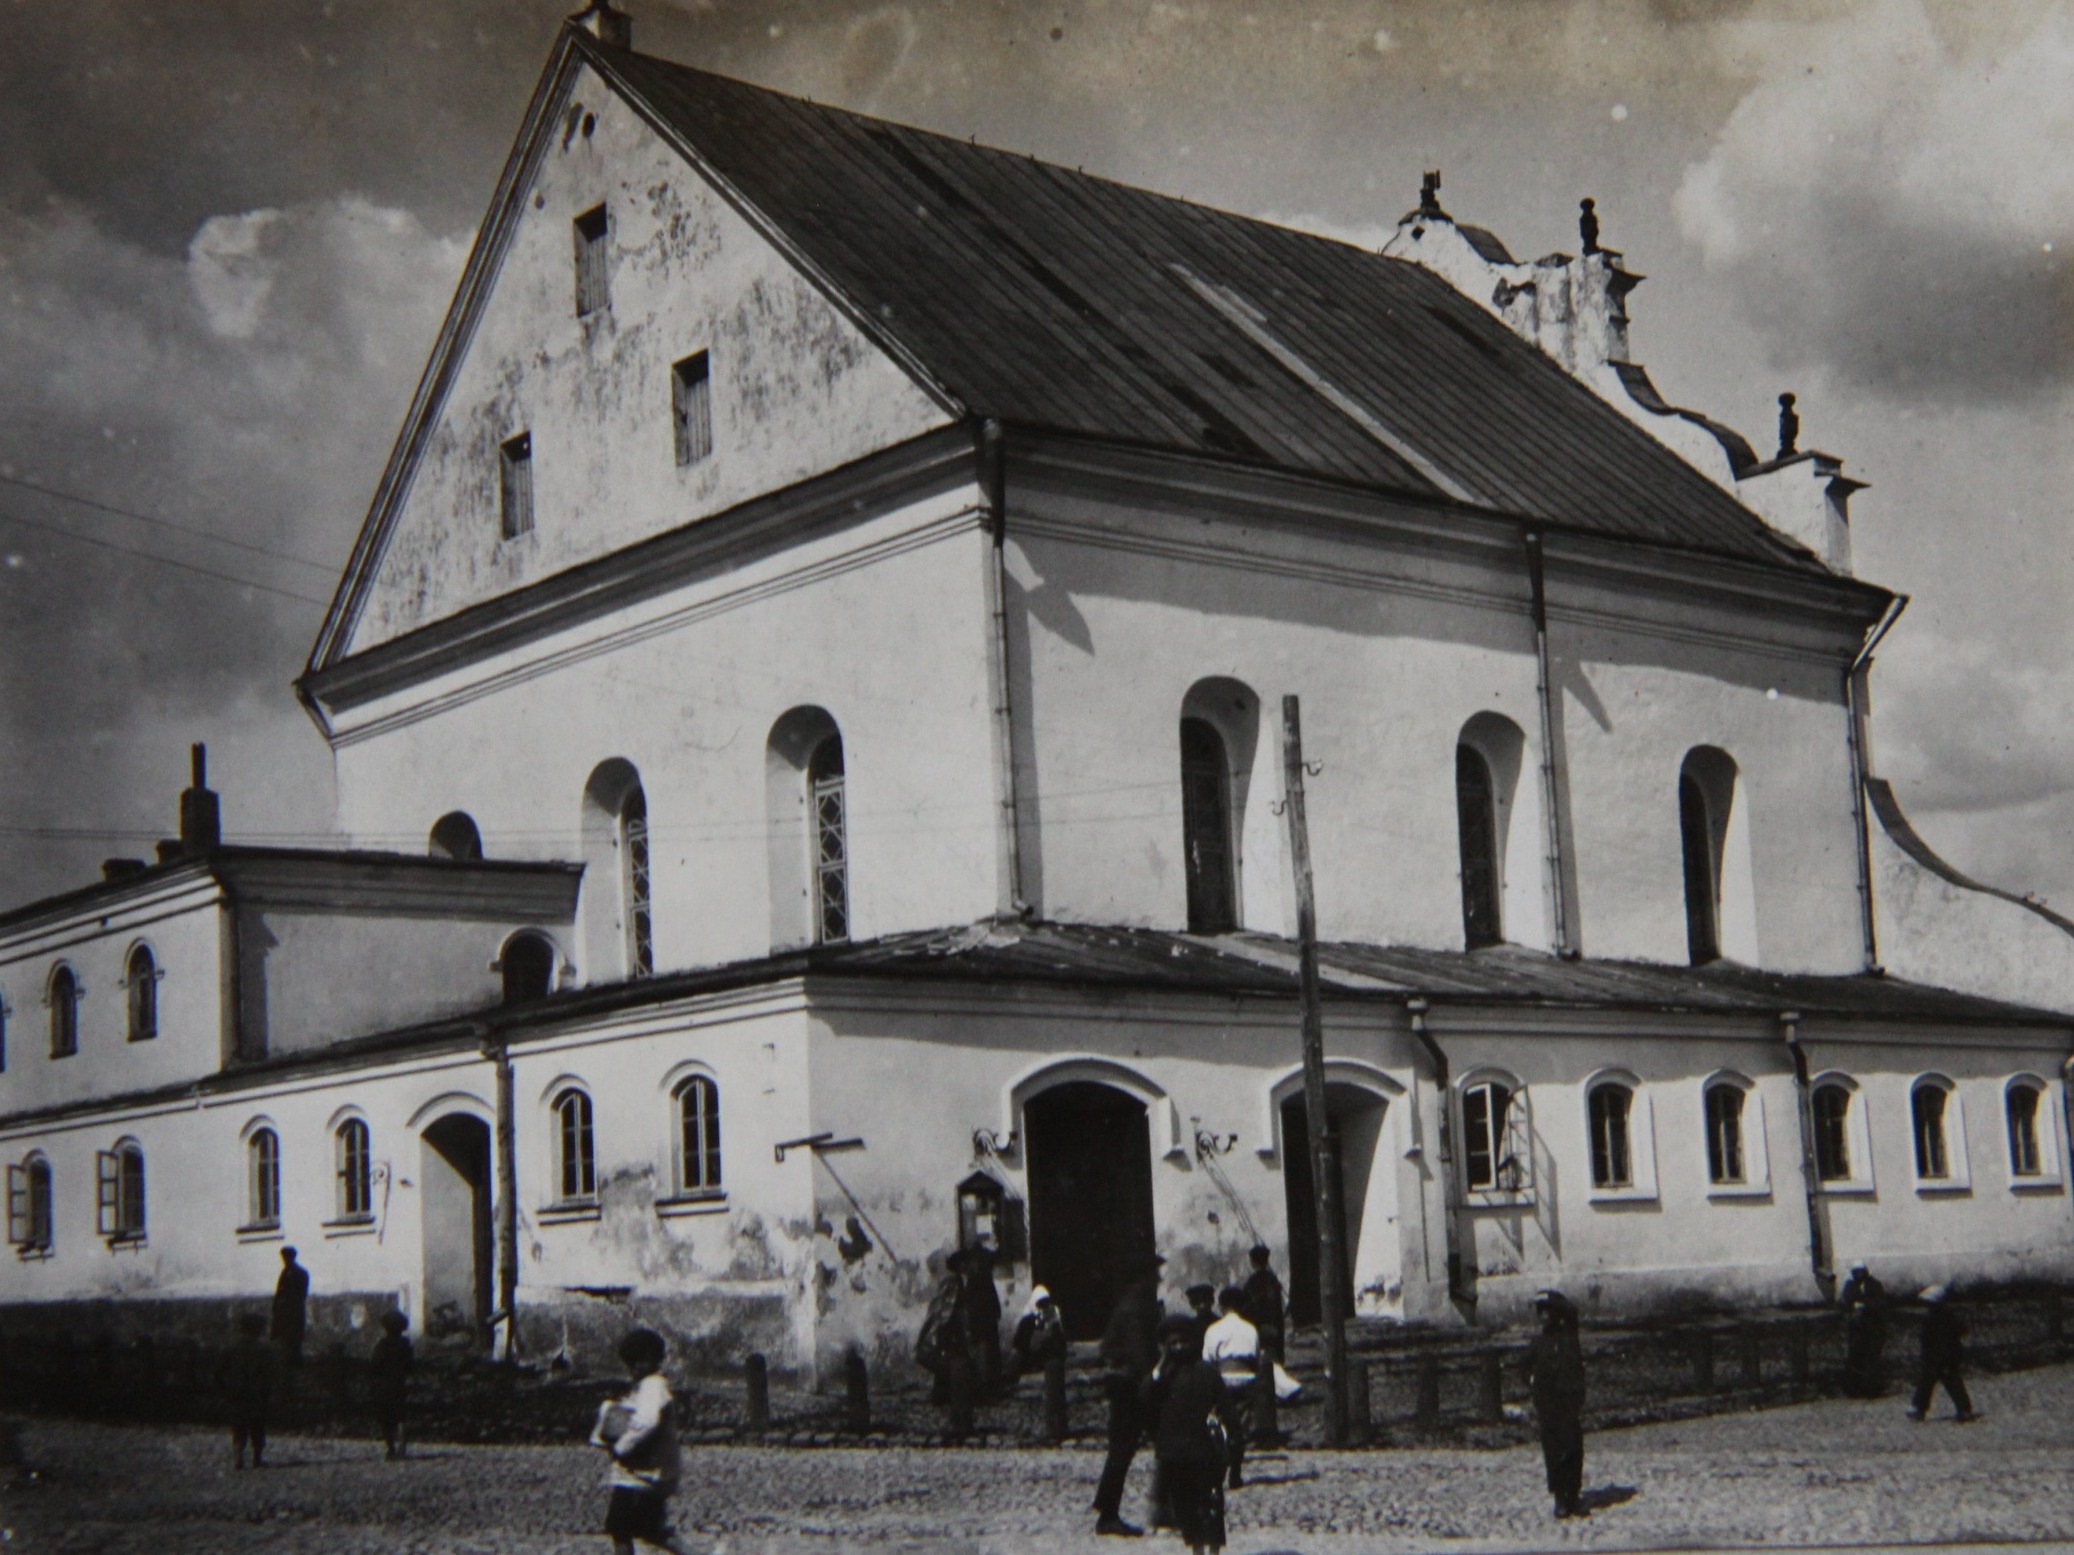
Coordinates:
[1805,496]
[1789,427]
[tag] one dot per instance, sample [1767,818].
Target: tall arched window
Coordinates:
[355,1171]
[1609,1107]
[121,1174]
[618,893]
[64,1012]
[454,836]
[263,1179]
[29,1205]
[1725,1165]
[831,840]
[1497,1149]
[527,967]
[575,1153]
[1930,1109]
[142,978]
[1714,844]
[1832,1108]
[1477,818]
[698,1135]
[1206,828]
[2020,1104]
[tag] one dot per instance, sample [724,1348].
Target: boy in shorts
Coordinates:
[639,1434]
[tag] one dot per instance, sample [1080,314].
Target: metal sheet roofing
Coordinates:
[1057,300]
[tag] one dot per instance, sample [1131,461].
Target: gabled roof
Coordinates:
[1053,299]
[1058,301]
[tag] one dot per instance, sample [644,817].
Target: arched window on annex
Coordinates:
[119,1174]
[619,930]
[2030,1133]
[1737,1152]
[575,1147]
[29,1219]
[1497,1133]
[140,984]
[454,836]
[806,793]
[695,1163]
[1621,1136]
[1495,825]
[353,1171]
[61,994]
[262,1178]
[1843,1142]
[526,967]
[1714,842]
[1937,1128]
[1219,733]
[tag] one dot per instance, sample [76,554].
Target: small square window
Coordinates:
[592,290]
[517,484]
[691,407]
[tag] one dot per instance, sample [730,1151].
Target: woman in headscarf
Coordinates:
[1555,1376]
[1040,1333]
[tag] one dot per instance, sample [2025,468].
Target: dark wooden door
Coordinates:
[1091,1232]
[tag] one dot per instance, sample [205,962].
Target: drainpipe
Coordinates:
[1855,689]
[2067,1103]
[993,478]
[506,1148]
[1810,1174]
[1544,694]
[1450,1207]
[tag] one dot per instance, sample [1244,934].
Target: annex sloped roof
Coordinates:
[1054,299]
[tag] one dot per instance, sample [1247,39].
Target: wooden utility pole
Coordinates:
[1332,1219]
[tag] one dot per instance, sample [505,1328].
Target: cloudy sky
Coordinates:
[228,229]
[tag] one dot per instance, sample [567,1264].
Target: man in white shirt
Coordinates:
[1232,1345]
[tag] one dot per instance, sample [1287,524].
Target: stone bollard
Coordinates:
[1797,1355]
[1752,1346]
[1703,1362]
[1055,1422]
[1491,1387]
[1360,1416]
[758,1373]
[1267,1409]
[1426,1408]
[856,1393]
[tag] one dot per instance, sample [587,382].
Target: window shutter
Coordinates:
[18,1229]
[108,1172]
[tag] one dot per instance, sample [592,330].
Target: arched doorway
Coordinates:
[455,1214]
[1090,1172]
[1370,1258]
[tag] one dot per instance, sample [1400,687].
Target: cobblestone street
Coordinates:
[1833,1473]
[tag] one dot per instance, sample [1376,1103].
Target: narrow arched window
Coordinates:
[1926,1106]
[2020,1108]
[355,1171]
[575,1153]
[28,1205]
[1832,1107]
[1477,816]
[454,836]
[1610,1106]
[633,843]
[1702,888]
[527,968]
[1496,1150]
[698,1136]
[121,1173]
[64,1012]
[1206,828]
[1725,1134]
[142,978]
[263,1179]
[831,841]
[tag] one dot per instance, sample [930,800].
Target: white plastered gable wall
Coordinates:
[796,387]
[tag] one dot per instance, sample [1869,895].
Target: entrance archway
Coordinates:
[1090,1175]
[1372,1254]
[455,1216]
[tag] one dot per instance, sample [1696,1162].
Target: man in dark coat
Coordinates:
[1129,1353]
[944,1346]
[983,1319]
[1265,1303]
[1944,1334]
[291,1304]
[245,1378]
[1864,1303]
[1193,1416]
[1555,1376]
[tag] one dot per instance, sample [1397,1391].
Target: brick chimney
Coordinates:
[605,24]
[201,822]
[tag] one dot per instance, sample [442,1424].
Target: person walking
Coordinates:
[638,1433]
[1555,1378]
[1232,1345]
[291,1308]
[1943,1340]
[1130,1350]
[388,1375]
[1193,1418]
[1864,1302]
[245,1378]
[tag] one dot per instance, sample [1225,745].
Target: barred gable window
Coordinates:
[591,230]
[515,485]
[691,408]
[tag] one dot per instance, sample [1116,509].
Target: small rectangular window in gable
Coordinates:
[591,286]
[691,407]
[516,459]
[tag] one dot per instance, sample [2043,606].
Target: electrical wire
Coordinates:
[99,506]
[164,561]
